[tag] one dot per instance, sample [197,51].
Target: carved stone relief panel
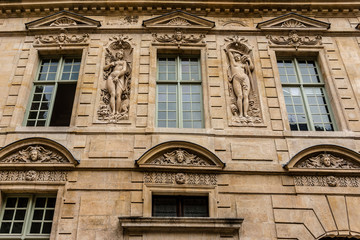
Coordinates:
[32,175]
[179,157]
[244,99]
[179,38]
[327,181]
[35,154]
[327,161]
[180,178]
[61,39]
[295,40]
[126,20]
[115,96]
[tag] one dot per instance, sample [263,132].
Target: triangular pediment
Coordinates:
[293,21]
[178,19]
[326,159]
[63,20]
[180,155]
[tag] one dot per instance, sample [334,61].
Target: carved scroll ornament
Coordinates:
[294,40]
[61,39]
[115,97]
[35,154]
[244,104]
[326,160]
[180,178]
[180,157]
[179,38]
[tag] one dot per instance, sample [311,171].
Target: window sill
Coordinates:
[181,224]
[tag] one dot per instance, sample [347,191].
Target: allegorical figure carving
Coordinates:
[115,96]
[244,103]
[327,160]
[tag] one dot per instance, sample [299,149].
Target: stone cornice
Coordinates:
[201,8]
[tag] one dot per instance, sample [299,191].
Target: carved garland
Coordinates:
[294,40]
[35,154]
[180,178]
[62,39]
[244,105]
[179,157]
[179,38]
[115,97]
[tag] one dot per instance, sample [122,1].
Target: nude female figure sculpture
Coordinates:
[240,67]
[115,83]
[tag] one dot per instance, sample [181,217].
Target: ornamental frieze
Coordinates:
[179,38]
[115,96]
[326,181]
[31,175]
[35,154]
[244,100]
[326,160]
[295,40]
[61,39]
[179,157]
[180,178]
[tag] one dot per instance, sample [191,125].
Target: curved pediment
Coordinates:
[180,155]
[325,158]
[178,19]
[63,20]
[36,153]
[293,21]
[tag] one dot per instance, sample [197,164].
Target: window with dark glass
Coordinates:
[27,217]
[305,96]
[180,206]
[53,92]
[179,92]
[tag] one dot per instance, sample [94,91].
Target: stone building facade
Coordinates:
[145,120]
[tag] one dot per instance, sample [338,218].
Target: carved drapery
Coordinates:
[244,100]
[180,178]
[32,175]
[327,160]
[179,38]
[179,157]
[35,154]
[295,40]
[115,96]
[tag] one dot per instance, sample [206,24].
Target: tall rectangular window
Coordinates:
[179,92]
[305,97]
[53,92]
[27,217]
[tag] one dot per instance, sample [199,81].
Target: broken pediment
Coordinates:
[180,155]
[325,158]
[178,19]
[36,153]
[293,21]
[63,20]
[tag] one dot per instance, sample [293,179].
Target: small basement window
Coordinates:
[180,206]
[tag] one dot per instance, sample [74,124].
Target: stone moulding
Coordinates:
[325,158]
[36,153]
[180,155]
[244,99]
[115,95]
[295,40]
[33,176]
[180,178]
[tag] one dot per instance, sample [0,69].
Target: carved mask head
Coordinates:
[326,160]
[178,35]
[62,37]
[180,156]
[34,154]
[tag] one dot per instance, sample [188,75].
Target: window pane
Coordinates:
[167,105]
[195,206]
[164,206]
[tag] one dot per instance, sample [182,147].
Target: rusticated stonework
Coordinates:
[115,97]
[61,39]
[180,178]
[180,157]
[294,40]
[244,101]
[179,38]
[41,176]
[326,181]
[35,154]
[326,160]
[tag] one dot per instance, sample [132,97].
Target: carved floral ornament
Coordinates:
[244,100]
[32,175]
[180,178]
[179,157]
[61,39]
[35,154]
[115,95]
[179,38]
[295,40]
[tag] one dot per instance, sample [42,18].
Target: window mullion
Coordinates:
[28,217]
[179,112]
